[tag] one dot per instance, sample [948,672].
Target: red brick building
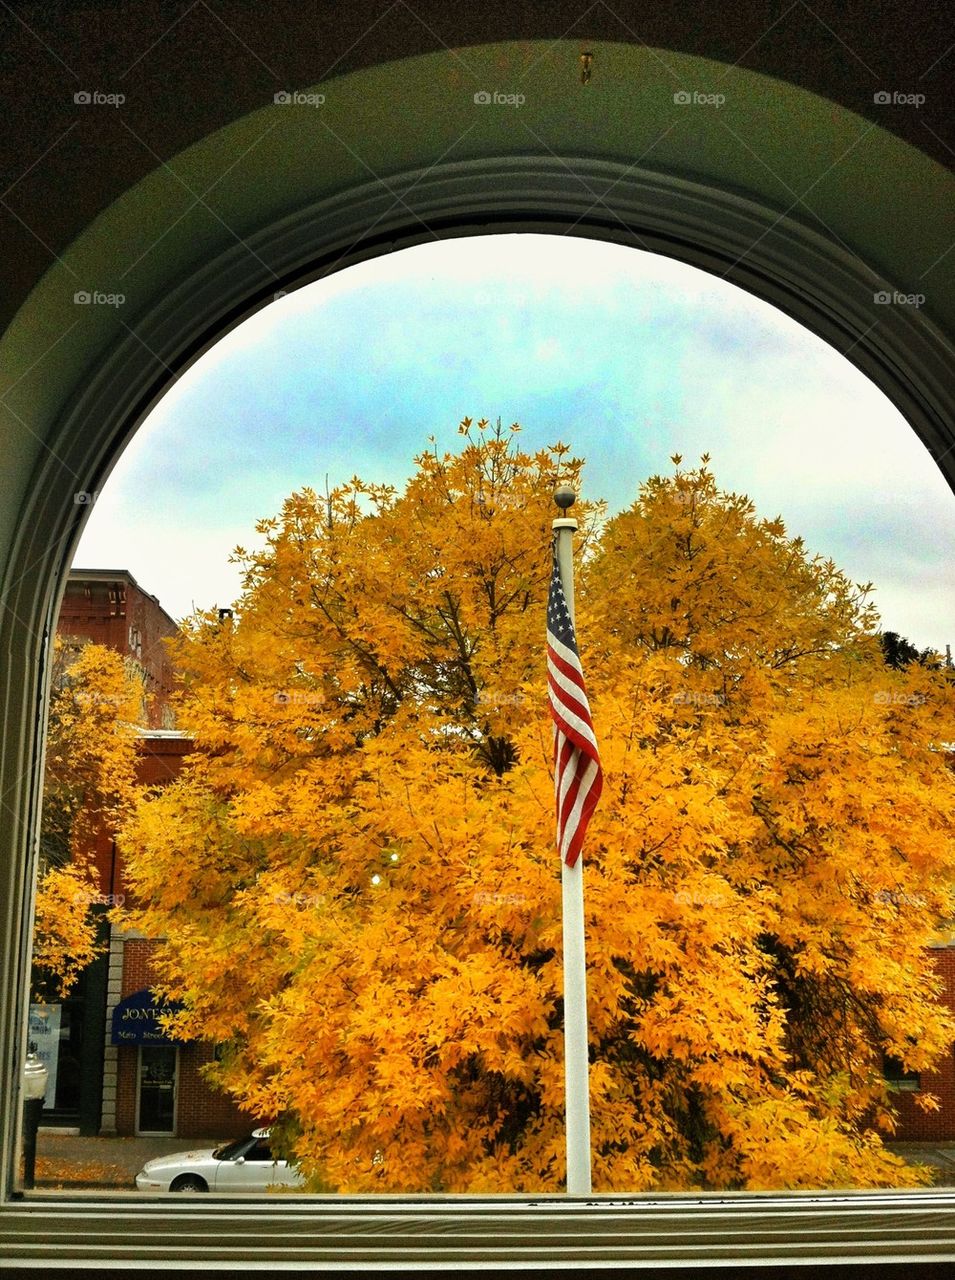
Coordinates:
[158,1087]
[127,1079]
[916,1125]
[109,607]
[150,1083]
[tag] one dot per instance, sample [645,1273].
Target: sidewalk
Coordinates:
[940,1155]
[69,1162]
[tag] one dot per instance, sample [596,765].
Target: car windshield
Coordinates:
[229,1150]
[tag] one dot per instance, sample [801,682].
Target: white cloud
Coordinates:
[547,349]
[627,355]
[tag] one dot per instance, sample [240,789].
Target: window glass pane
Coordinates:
[299,867]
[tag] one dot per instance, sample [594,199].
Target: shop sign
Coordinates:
[136,1020]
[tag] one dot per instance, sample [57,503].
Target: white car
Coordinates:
[244,1165]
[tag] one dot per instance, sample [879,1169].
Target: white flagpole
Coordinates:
[576,1054]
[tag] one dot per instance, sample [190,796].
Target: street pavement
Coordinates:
[940,1155]
[81,1162]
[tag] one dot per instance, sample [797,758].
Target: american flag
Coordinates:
[577,776]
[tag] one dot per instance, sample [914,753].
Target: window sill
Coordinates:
[401,1233]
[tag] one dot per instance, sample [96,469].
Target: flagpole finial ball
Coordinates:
[564,496]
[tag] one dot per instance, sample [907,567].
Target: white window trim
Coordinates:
[421,1233]
[808,277]
[157,1133]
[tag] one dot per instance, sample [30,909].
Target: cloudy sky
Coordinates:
[626,356]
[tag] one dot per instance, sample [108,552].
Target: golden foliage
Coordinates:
[356,878]
[88,785]
[64,932]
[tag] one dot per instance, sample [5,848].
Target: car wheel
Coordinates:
[189,1182]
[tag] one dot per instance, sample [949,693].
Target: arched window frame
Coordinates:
[807,276]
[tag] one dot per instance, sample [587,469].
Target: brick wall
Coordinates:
[137,970]
[110,608]
[137,974]
[159,761]
[201,1111]
[916,1125]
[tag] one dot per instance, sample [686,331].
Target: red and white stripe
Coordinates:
[578,779]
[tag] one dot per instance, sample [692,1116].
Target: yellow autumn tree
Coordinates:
[355,878]
[88,782]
